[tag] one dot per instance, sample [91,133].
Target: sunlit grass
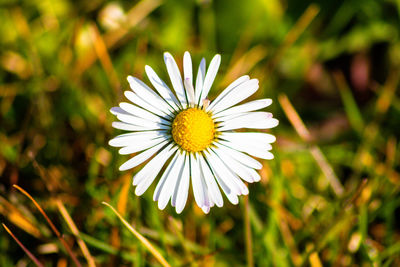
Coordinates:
[329,198]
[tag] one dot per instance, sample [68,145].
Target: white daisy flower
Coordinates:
[194,136]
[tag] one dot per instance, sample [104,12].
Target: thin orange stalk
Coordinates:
[303,132]
[30,255]
[52,226]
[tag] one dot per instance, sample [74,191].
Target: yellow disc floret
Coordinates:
[193,129]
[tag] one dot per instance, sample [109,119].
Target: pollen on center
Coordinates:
[193,129]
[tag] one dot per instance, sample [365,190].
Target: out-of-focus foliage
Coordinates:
[63,64]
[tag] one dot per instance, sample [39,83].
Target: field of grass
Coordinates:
[331,196]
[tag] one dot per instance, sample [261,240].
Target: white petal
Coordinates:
[142,122]
[229,177]
[206,209]
[165,190]
[146,93]
[227,118]
[187,66]
[253,138]
[176,79]
[230,87]
[239,156]
[210,76]
[210,200]
[256,175]
[229,187]
[201,74]
[162,88]
[221,172]
[117,110]
[253,120]
[141,145]
[132,112]
[146,176]
[214,193]
[161,183]
[235,166]
[244,172]
[183,189]
[250,106]
[179,180]
[198,184]
[188,78]
[271,123]
[141,113]
[256,151]
[236,95]
[131,138]
[190,91]
[128,127]
[134,98]
[142,157]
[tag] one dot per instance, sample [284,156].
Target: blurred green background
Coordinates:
[329,198]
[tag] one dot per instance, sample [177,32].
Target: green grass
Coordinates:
[63,65]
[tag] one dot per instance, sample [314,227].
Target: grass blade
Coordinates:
[247,231]
[52,226]
[141,238]
[75,231]
[303,132]
[350,105]
[30,255]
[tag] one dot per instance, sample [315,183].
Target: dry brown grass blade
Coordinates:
[75,231]
[300,26]
[13,214]
[30,255]
[102,53]
[372,129]
[123,197]
[139,12]
[284,227]
[303,132]
[388,91]
[289,239]
[314,260]
[52,226]
[22,26]
[245,63]
[178,231]
[141,238]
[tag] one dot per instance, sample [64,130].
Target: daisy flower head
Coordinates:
[193,137]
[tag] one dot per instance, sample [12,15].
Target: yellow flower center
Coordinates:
[193,129]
